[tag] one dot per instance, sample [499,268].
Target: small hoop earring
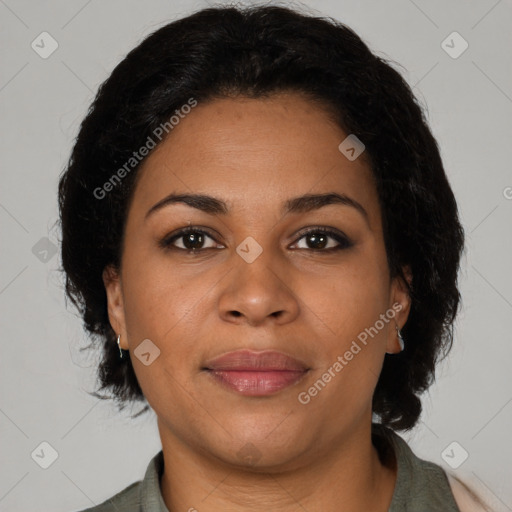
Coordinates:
[119,345]
[401,341]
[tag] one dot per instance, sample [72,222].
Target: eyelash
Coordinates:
[343,241]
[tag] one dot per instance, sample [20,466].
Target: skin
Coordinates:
[255,154]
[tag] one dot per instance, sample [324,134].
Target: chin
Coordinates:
[263,443]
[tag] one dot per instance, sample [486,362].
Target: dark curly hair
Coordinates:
[228,51]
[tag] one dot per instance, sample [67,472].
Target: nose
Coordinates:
[259,292]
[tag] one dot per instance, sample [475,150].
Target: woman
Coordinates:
[258,230]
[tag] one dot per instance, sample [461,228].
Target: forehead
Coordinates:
[254,151]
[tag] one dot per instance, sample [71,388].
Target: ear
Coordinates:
[112,282]
[401,304]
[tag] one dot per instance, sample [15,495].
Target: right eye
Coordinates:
[192,240]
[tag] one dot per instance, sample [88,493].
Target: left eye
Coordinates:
[319,239]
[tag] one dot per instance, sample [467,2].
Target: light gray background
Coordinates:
[44,377]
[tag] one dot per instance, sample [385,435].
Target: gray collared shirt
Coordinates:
[142,496]
[421,486]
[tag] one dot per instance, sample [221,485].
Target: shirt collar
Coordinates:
[150,493]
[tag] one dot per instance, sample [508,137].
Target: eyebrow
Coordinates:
[300,204]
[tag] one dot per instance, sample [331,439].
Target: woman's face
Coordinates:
[257,282]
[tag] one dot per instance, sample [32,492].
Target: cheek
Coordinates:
[158,298]
[168,307]
[163,306]
[353,344]
[351,351]
[351,298]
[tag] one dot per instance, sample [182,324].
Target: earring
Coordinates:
[401,341]
[119,345]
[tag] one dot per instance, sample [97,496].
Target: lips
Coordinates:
[256,373]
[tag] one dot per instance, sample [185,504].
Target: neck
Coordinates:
[347,475]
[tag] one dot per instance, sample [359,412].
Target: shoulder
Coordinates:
[142,495]
[466,499]
[421,482]
[126,500]
[420,485]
